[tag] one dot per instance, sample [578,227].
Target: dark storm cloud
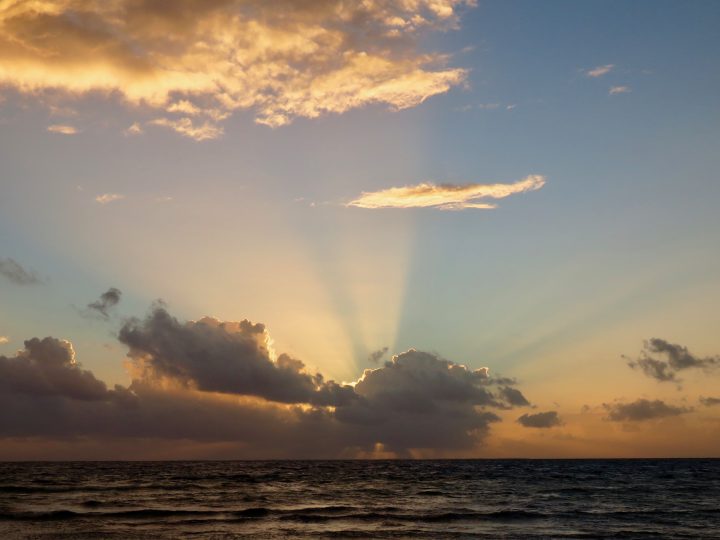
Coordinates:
[540,420]
[107,301]
[227,357]
[710,401]
[13,271]
[47,367]
[672,359]
[418,400]
[376,356]
[514,397]
[214,381]
[642,409]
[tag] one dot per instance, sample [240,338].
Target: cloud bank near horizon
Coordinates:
[219,382]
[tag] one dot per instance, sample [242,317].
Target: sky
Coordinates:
[417,228]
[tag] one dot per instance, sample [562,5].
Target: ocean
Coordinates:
[674,498]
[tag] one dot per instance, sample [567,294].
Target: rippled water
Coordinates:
[379,499]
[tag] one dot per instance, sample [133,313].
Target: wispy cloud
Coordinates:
[599,71]
[619,90]
[103,306]
[280,60]
[106,198]
[134,129]
[62,129]
[663,360]
[445,196]
[642,409]
[186,127]
[14,271]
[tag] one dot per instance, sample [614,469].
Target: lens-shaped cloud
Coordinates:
[445,196]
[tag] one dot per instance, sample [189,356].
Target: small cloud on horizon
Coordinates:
[641,410]
[541,420]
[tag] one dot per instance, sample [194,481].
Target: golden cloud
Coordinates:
[106,198]
[62,129]
[282,60]
[445,196]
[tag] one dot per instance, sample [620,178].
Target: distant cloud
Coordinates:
[540,420]
[62,129]
[4,340]
[619,90]
[663,361]
[281,60]
[445,196]
[710,401]
[105,303]
[134,129]
[13,271]
[186,128]
[599,71]
[376,356]
[106,198]
[513,396]
[641,410]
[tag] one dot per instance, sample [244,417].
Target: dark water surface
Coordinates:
[361,499]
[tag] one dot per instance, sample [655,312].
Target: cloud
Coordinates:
[4,340]
[599,71]
[186,127]
[62,129]
[134,129]
[47,367]
[12,270]
[540,420]
[445,196]
[619,90]
[211,380]
[105,303]
[641,410]
[673,359]
[106,198]
[710,401]
[281,60]
[514,397]
[376,356]
[227,357]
